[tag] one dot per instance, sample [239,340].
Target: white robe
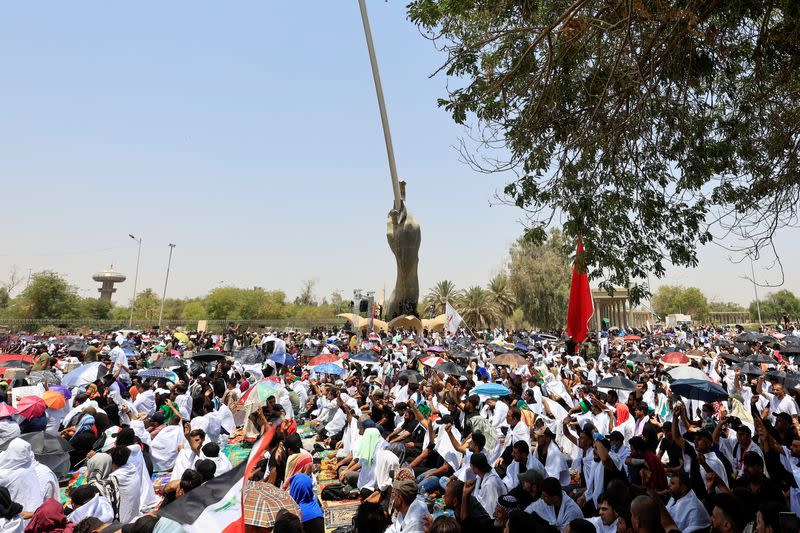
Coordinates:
[98,507]
[600,527]
[12,525]
[568,511]
[147,495]
[222,462]
[185,461]
[413,521]
[47,481]
[688,513]
[164,448]
[556,464]
[488,490]
[511,478]
[130,489]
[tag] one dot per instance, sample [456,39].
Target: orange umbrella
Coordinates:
[53,400]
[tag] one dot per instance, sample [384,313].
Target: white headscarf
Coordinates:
[9,430]
[18,475]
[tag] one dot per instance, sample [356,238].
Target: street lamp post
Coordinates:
[166,279]
[755,288]
[135,277]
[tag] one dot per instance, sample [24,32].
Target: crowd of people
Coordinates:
[685,430]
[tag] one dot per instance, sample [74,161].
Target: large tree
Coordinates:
[671,299]
[478,309]
[438,296]
[648,127]
[539,275]
[48,296]
[775,305]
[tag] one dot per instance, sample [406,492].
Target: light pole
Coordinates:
[135,277]
[755,288]
[166,279]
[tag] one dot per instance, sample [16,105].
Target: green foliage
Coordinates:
[671,299]
[95,308]
[232,303]
[5,298]
[306,296]
[775,305]
[48,296]
[478,308]
[438,296]
[540,276]
[645,126]
[503,297]
[725,307]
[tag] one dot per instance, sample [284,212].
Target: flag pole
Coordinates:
[376,77]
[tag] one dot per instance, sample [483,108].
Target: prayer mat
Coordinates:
[78,478]
[238,453]
[160,480]
[339,514]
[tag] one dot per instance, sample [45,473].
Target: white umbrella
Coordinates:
[84,375]
[688,372]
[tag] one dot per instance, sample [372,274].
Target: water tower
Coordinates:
[108,278]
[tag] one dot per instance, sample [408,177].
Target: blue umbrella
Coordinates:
[283,358]
[159,373]
[698,389]
[491,389]
[329,368]
[364,357]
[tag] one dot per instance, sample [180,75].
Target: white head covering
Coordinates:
[18,475]
[9,430]
[98,507]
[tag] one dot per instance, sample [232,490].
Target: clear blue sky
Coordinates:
[248,134]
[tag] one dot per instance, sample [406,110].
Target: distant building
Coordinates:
[107,278]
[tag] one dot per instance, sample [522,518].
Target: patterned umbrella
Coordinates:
[322,359]
[432,360]
[31,406]
[263,389]
[41,376]
[329,368]
[158,373]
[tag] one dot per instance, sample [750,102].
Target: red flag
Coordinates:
[580,308]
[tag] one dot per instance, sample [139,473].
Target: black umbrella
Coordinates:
[617,382]
[750,369]
[450,368]
[641,359]
[790,350]
[698,389]
[208,356]
[788,380]
[77,347]
[767,338]
[168,362]
[723,342]
[748,336]
[16,363]
[46,443]
[730,357]
[791,340]
[466,354]
[759,358]
[411,375]
[249,356]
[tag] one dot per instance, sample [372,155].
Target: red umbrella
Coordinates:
[322,359]
[7,410]
[632,338]
[31,406]
[675,358]
[16,357]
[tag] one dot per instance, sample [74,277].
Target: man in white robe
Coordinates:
[684,507]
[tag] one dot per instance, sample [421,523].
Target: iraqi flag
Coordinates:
[216,505]
[581,307]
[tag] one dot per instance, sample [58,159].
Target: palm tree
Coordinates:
[441,293]
[478,309]
[502,295]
